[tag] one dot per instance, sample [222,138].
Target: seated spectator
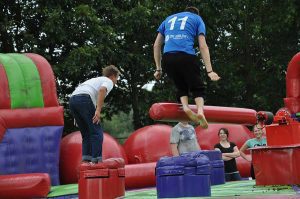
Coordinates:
[183,139]
[258,141]
[229,152]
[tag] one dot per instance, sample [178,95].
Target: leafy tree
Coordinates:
[120,126]
[251,50]
[251,43]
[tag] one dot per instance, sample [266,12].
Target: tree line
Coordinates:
[251,43]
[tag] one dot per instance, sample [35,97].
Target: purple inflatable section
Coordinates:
[31,150]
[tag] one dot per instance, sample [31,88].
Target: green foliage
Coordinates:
[120,126]
[251,43]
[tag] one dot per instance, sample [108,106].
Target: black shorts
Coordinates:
[184,70]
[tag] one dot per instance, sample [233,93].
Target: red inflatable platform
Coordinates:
[104,180]
[277,165]
[24,186]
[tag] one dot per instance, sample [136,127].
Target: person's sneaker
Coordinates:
[193,116]
[202,121]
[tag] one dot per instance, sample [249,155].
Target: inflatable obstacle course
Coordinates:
[31,123]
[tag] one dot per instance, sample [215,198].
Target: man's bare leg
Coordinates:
[200,113]
[185,105]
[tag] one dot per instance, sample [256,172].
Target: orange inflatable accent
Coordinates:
[174,112]
[21,186]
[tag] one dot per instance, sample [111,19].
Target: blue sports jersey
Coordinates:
[180,30]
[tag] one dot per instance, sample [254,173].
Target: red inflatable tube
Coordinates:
[140,175]
[292,100]
[4,90]
[174,112]
[19,118]
[24,186]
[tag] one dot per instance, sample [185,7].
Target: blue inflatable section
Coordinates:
[31,150]
[183,176]
[216,162]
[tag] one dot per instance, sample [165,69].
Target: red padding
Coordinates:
[111,163]
[19,118]
[277,165]
[173,112]
[292,103]
[47,79]
[4,90]
[292,100]
[279,135]
[140,175]
[114,163]
[243,166]
[293,77]
[21,186]
[97,184]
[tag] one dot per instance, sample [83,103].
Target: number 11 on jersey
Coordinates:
[174,19]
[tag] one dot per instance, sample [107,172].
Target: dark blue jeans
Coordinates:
[83,110]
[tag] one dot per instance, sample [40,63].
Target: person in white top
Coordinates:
[85,105]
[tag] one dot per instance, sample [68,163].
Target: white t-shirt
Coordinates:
[186,138]
[92,86]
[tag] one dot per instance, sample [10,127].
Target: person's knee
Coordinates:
[197,94]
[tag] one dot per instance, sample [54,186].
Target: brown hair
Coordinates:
[225,131]
[110,70]
[192,10]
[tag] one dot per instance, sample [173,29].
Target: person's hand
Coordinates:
[213,76]
[158,74]
[96,118]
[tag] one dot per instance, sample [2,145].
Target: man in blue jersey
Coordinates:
[178,33]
